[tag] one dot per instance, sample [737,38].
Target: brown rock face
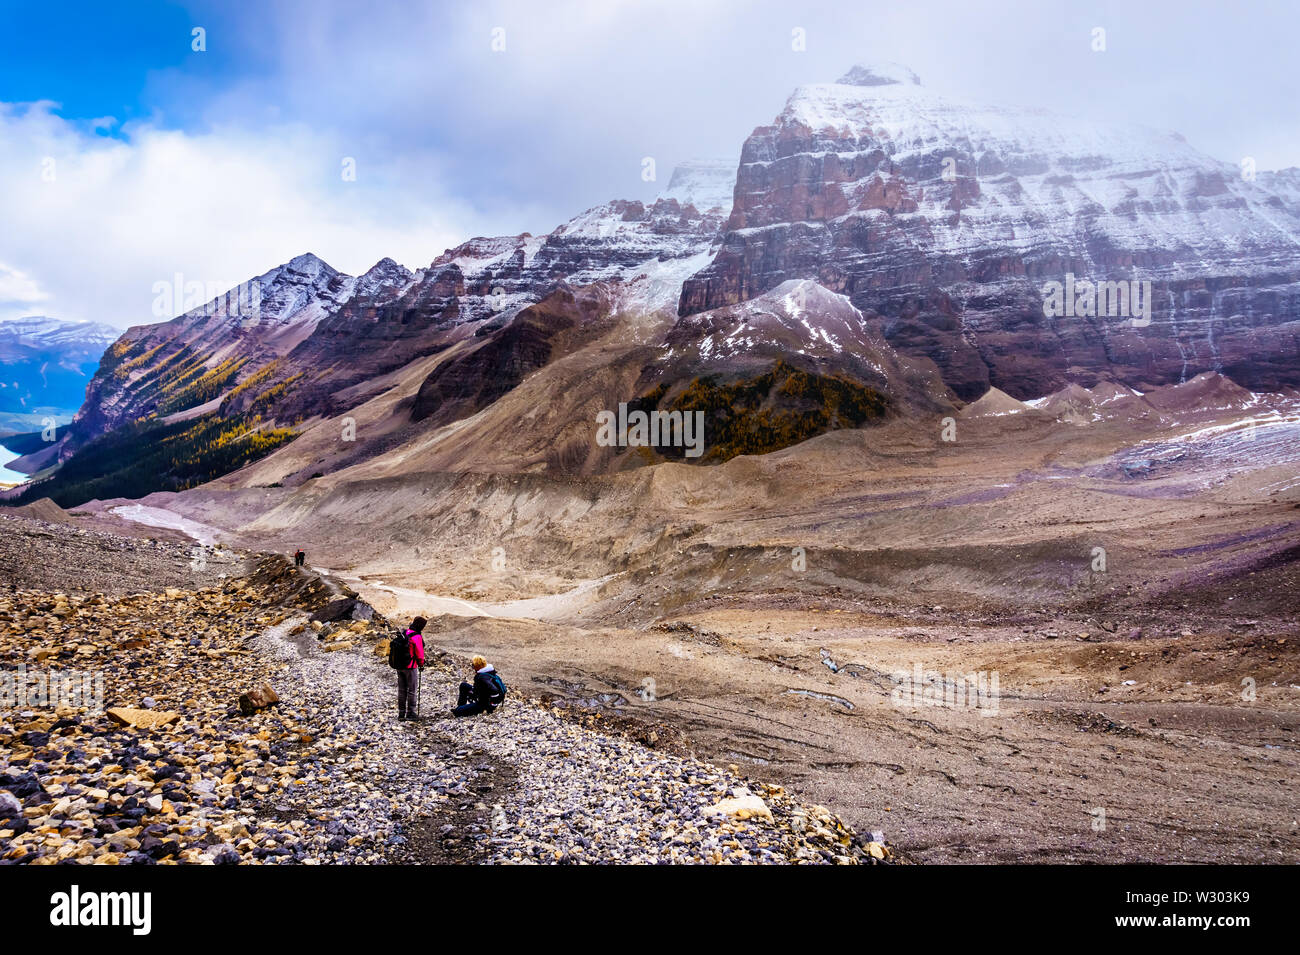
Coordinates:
[946,221]
[471,382]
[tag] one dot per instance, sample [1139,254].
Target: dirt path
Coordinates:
[402,602]
[409,601]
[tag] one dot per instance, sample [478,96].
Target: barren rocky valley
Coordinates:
[759,613]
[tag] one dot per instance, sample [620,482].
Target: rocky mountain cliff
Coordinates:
[945,219]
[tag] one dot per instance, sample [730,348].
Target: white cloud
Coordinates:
[453,139]
[92,222]
[18,292]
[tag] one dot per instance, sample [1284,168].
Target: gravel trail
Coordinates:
[526,784]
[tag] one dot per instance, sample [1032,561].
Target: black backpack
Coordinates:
[399,651]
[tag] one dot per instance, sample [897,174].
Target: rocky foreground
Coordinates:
[251,720]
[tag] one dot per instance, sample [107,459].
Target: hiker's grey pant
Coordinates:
[408,692]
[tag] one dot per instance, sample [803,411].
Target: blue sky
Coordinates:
[221,164]
[93,58]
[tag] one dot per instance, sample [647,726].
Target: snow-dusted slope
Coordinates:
[618,241]
[802,322]
[1108,401]
[798,317]
[948,217]
[285,307]
[1044,181]
[249,326]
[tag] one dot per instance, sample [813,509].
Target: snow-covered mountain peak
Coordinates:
[388,272]
[800,315]
[797,296]
[297,292]
[906,119]
[911,198]
[384,274]
[309,263]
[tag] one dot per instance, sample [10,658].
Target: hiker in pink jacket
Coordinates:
[408,677]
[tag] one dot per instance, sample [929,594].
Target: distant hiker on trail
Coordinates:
[299,558]
[487,693]
[406,656]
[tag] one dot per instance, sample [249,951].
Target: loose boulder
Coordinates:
[258,699]
[339,609]
[742,805]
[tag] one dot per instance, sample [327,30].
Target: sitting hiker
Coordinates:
[486,694]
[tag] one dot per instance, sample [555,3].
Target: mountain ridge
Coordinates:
[918,228]
[945,219]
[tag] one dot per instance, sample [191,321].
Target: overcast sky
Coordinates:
[220,164]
